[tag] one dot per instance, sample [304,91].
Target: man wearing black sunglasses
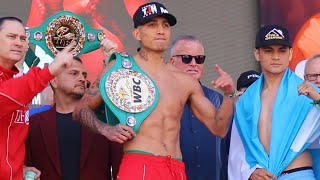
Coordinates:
[187,54]
[200,149]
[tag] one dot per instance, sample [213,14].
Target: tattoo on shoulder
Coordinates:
[94,89]
[92,92]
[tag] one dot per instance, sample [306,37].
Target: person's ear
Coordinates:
[256,54]
[291,53]
[136,34]
[53,83]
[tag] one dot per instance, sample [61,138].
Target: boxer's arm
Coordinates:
[217,121]
[85,113]
[91,100]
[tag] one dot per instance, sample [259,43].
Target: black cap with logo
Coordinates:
[247,78]
[273,35]
[145,13]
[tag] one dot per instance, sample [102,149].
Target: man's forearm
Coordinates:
[88,118]
[224,115]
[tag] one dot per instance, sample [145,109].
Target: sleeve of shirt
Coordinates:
[18,92]
[215,97]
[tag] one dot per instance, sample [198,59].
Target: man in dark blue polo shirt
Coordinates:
[200,148]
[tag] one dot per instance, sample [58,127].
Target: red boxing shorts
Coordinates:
[136,166]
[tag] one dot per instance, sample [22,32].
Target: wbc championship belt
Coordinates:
[61,29]
[129,94]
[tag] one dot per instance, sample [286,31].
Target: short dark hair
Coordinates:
[77,59]
[9,18]
[74,58]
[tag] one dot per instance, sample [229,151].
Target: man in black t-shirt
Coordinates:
[60,147]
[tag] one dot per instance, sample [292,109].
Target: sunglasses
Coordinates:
[312,77]
[188,58]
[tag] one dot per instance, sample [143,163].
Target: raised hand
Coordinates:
[107,48]
[306,89]
[62,60]
[224,82]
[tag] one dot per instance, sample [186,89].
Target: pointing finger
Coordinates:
[69,47]
[219,69]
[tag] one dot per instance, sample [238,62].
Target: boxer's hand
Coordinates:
[224,82]
[118,133]
[306,89]
[261,174]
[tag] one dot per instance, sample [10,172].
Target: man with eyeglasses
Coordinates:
[200,148]
[311,74]
[312,70]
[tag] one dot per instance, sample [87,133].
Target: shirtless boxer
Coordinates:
[153,152]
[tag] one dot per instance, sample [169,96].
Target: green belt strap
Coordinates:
[60,29]
[115,114]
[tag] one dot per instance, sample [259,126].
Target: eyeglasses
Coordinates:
[188,58]
[312,77]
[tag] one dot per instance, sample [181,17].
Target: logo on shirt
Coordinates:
[21,116]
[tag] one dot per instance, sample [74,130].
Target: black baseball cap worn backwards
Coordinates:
[273,35]
[145,13]
[247,78]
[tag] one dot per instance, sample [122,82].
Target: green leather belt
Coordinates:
[130,95]
[60,29]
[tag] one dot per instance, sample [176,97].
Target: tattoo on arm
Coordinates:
[89,119]
[94,89]
[92,92]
